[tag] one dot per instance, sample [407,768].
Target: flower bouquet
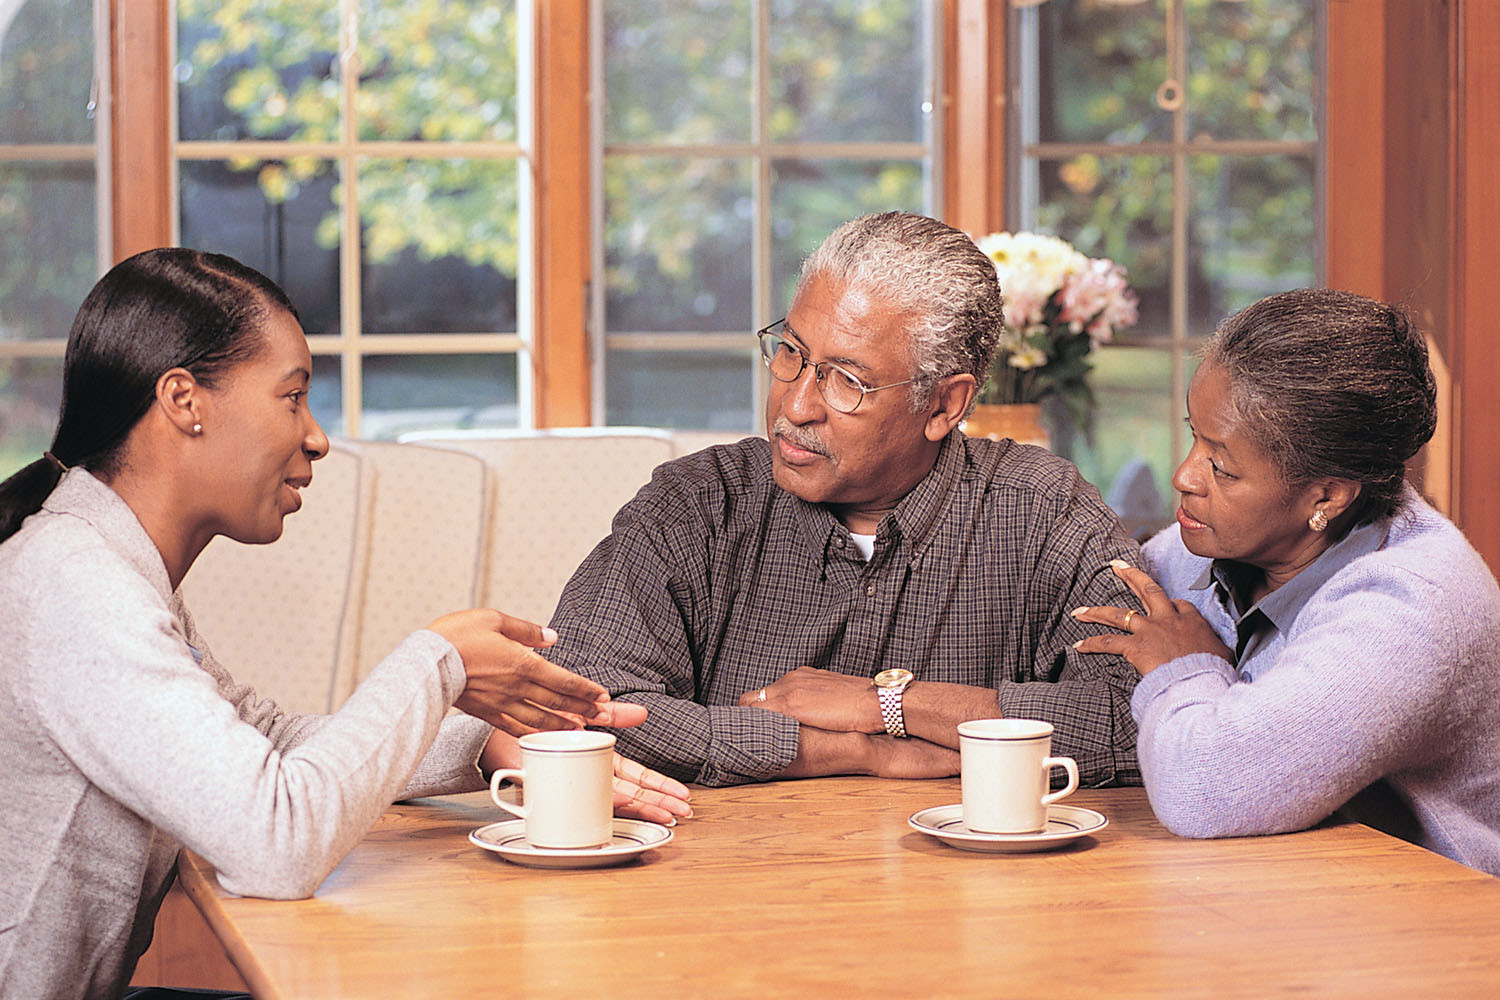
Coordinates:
[1059,305]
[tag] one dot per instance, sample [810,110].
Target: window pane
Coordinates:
[271,72]
[440,249]
[1252,70]
[847,71]
[404,393]
[46,71]
[1253,232]
[811,198]
[48,260]
[677,245]
[697,390]
[1097,69]
[326,396]
[1130,455]
[1118,207]
[31,389]
[677,72]
[278,216]
[437,71]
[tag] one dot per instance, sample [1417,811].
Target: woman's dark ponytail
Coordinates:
[158,310]
[36,480]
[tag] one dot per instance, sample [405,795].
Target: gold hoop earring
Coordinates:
[1318,522]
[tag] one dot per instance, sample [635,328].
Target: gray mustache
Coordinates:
[799,436]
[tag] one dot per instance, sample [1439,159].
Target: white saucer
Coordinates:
[631,838]
[1064,824]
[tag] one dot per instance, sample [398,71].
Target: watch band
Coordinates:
[890,710]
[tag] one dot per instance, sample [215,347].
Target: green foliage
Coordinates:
[429,71]
[48,258]
[678,235]
[1252,74]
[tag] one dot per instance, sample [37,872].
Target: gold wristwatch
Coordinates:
[890,685]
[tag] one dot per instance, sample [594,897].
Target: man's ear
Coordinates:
[178,396]
[950,401]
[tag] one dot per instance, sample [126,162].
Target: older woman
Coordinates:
[1322,640]
[122,739]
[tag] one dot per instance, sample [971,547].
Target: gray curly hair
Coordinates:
[929,271]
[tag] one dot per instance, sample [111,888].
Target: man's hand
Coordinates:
[822,699]
[821,752]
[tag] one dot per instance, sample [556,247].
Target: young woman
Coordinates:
[1322,640]
[122,739]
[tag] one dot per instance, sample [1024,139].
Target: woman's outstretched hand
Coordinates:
[513,688]
[1166,630]
[640,792]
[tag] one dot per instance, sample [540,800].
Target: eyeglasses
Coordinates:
[785,361]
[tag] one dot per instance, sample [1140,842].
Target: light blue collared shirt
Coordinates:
[1256,625]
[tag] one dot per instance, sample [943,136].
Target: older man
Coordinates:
[837,599]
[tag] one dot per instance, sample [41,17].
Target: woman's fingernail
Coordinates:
[1078,643]
[1119,564]
[1078,611]
[549,633]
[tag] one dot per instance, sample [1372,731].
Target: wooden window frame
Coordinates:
[1433,90]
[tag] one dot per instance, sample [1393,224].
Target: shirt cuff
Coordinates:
[748,744]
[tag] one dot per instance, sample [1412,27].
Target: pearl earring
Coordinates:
[197,428]
[1318,522]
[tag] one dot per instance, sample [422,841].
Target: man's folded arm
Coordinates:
[1085,696]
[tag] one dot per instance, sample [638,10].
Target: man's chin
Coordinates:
[800,481]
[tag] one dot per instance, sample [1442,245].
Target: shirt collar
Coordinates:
[912,521]
[79,494]
[1282,605]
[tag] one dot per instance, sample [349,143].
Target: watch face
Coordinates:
[893,677]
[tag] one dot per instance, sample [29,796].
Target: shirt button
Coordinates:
[870,590]
[839,541]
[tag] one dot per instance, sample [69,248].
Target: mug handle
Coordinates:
[1068,764]
[517,808]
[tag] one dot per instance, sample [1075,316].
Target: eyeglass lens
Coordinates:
[840,390]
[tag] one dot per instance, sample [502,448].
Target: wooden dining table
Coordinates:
[821,888]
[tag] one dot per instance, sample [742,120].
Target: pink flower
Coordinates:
[1098,299]
[1053,294]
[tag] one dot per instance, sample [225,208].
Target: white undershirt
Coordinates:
[865,544]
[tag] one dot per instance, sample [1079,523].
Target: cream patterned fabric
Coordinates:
[555,493]
[427,550]
[284,617]
[687,442]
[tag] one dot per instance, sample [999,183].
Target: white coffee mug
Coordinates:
[1006,766]
[567,788]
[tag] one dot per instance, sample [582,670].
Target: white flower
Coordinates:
[1031,268]
[1026,357]
[1053,294]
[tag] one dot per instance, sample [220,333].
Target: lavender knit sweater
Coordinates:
[1389,677]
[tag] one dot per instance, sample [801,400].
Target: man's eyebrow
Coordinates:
[794,336]
[842,361]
